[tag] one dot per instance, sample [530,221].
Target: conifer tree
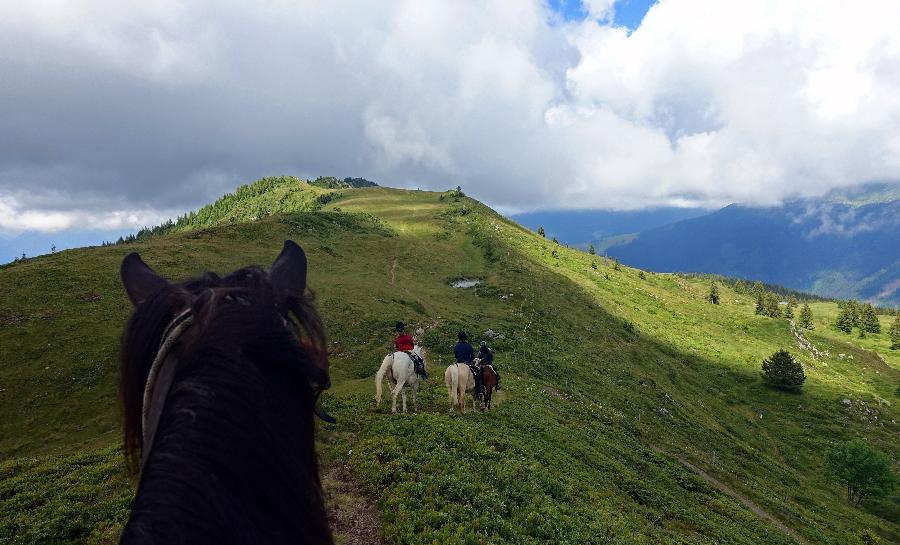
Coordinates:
[592,250]
[844,320]
[805,318]
[789,309]
[713,296]
[758,288]
[895,333]
[854,310]
[773,309]
[869,320]
[760,303]
[782,371]
[541,232]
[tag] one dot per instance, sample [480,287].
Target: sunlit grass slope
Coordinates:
[610,378]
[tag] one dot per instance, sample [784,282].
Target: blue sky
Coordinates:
[628,13]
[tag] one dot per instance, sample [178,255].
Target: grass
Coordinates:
[609,379]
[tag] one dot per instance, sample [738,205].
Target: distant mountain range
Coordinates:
[602,227]
[843,245]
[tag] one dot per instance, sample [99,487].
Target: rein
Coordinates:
[159,381]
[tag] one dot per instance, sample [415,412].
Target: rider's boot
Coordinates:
[497,387]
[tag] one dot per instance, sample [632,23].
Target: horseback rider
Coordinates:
[466,354]
[404,343]
[486,357]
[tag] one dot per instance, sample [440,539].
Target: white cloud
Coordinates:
[139,106]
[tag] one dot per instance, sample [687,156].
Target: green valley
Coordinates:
[633,411]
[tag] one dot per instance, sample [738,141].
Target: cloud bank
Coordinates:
[117,113]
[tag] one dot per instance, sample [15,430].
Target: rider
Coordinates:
[466,354]
[486,357]
[404,343]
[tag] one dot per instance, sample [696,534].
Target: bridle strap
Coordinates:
[159,381]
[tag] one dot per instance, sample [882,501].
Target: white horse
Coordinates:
[459,379]
[399,368]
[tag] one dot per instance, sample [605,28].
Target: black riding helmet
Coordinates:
[462,336]
[483,346]
[400,327]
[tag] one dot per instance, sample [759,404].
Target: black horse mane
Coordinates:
[233,459]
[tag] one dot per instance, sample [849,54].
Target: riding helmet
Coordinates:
[400,327]
[461,336]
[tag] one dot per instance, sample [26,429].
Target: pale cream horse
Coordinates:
[399,368]
[459,379]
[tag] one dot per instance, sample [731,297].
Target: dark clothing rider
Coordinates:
[404,343]
[464,353]
[486,357]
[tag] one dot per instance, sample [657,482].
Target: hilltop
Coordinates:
[633,410]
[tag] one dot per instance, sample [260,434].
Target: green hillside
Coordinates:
[629,405]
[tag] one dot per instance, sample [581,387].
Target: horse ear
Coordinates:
[140,280]
[288,274]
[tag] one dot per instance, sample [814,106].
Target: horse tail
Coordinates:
[454,383]
[386,364]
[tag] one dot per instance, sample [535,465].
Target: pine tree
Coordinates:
[758,288]
[895,334]
[789,309]
[805,319]
[592,250]
[782,371]
[760,303]
[869,319]
[541,232]
[853,308]
[713,296]
[773,309]
[844,321]
[555,241]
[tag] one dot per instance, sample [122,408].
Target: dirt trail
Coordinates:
[353,516]
[747,502]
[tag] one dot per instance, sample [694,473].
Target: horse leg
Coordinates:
[403,395]
[415,390]
[397,389]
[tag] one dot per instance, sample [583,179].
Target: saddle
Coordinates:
[418,363]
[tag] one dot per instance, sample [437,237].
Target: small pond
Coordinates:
[465,283]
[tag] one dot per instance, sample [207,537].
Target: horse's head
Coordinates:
[264,318]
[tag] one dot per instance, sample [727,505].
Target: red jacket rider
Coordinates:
[404,341]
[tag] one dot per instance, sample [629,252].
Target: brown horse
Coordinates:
[219,383]
[488,383]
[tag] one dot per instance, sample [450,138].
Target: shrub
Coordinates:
[868,537]
[782,371]
[861,469]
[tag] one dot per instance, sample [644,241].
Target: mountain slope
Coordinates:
[583,227]
[831,247]
[610,378]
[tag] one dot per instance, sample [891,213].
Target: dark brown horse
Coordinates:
[219,383]
[488,383]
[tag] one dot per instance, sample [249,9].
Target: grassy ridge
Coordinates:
[610,378]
